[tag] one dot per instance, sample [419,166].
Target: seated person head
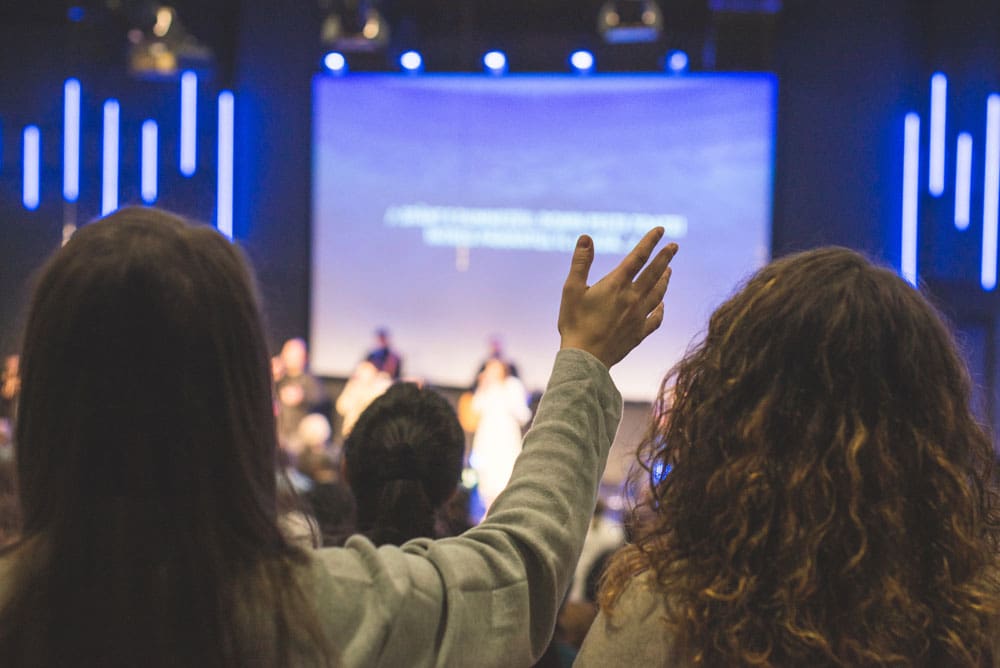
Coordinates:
[403,460]
[294,357]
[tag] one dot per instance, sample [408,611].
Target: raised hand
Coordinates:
[611,317]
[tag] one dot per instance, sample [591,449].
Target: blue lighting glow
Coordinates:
[991,198]
[71,140]
[495,62]
[109,183]
[75,14]
[31,193]
[224,192]
[189,122]
[677,62]
[411,61]
[335,62]
[660,471]
[911,175]
[148,150]
[935,163]
[963,180]
[582,61]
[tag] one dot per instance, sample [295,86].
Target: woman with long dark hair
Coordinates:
[830,499]
[146,455]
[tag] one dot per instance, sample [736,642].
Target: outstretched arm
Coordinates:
[490,596]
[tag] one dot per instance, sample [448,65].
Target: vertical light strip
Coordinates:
[148,150]
[109,183]
[31,193]
[991,199]
[71,140]
[189,122]
[935,166]
[963,180]
[911,176]
[224,210]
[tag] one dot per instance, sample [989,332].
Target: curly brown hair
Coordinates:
[832,499]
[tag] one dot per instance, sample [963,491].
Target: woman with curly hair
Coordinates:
[831,498]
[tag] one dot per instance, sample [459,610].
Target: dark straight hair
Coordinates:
[146,461]
[404,461]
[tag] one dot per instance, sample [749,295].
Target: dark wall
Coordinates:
[843,70]
[274,68]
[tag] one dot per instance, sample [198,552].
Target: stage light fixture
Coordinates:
[355,26]
[110,157]
[335,62]
[71,139]
[188,162]
[226,155]
[160,46]
[582,61]
[991,194]
[148,151]
[677,62]
[495,62]
[411,61]
[32,172]
[630,21]
[963,180]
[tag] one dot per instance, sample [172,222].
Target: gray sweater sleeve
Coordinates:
[635,634]
[490,596]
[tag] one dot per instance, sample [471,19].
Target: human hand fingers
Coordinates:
[636,259]
[652,274]
[653,321]
[655,294]
[614,315]
[579,270]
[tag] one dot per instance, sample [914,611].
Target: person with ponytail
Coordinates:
[146,451]
[403,461]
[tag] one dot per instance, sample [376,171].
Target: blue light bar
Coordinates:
[148,161]
[224,192]
[109,183]
[935,166]
[963,180]
[991,197]
[31,193]
[71,140]
[911,175]
[189,122]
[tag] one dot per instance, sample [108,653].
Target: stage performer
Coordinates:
[502,406]
[299,392]
[365,385]
[384,357]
